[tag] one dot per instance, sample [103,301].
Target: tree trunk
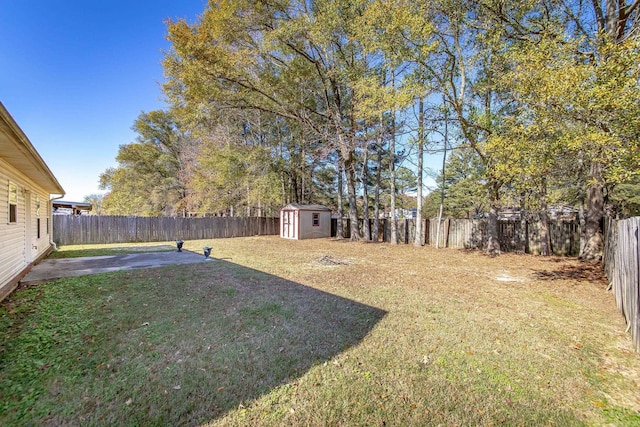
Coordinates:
[493,244]
[392,170]
[294,185]
[303,172]
[522,232]
[248,210]
[376,194]
[346,152]
[582,198]
[545,240]
[351,192]
[419,239]
[366,229]
[612,20]
[340,225]
[393,220]
[439,227]
[594,241]
[444,177]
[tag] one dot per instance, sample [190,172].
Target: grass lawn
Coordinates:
[321,332]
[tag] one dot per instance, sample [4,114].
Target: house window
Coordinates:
[316,219]
[38,223]
[13,203]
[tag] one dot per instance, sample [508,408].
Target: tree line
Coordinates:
[530,102]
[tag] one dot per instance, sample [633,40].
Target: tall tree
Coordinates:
[147,179]
[392,32]
[440,43]
[465,193]
[575,64]
[235,179]
[96,203]
[297,60]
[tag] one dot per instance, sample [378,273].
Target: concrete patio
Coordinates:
[50,269]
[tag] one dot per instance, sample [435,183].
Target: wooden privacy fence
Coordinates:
[406,229]
[472,234]
[88,229]
[622,267]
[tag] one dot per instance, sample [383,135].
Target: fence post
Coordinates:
[426,231]
[635,334]
[446,241]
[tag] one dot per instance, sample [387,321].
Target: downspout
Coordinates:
[51,242]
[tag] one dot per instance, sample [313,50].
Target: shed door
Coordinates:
[285,224]
[292,224]
[288,225]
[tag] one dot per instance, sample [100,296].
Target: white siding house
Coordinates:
[305,221]
[26,185]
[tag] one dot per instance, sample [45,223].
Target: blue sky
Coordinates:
[75,74]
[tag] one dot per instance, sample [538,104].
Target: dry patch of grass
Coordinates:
[323,332]
[467,339]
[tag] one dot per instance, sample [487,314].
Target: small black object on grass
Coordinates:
[207,251]
[179,244]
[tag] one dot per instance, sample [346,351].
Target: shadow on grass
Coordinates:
[581,272]
[173,345]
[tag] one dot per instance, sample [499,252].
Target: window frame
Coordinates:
[315,219]
[38,221]
[12,203]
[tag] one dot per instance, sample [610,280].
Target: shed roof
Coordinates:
[17,150]
[301,207]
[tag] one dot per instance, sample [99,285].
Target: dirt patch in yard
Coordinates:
[331,261]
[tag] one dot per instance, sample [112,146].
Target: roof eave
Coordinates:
[25,154]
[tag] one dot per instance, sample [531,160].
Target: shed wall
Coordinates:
[309,231]
[297,223]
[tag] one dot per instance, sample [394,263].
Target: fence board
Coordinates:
[454,233]
[89,229]
[472,234]
[622,266]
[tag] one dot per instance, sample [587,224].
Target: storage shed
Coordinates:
[305,221]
